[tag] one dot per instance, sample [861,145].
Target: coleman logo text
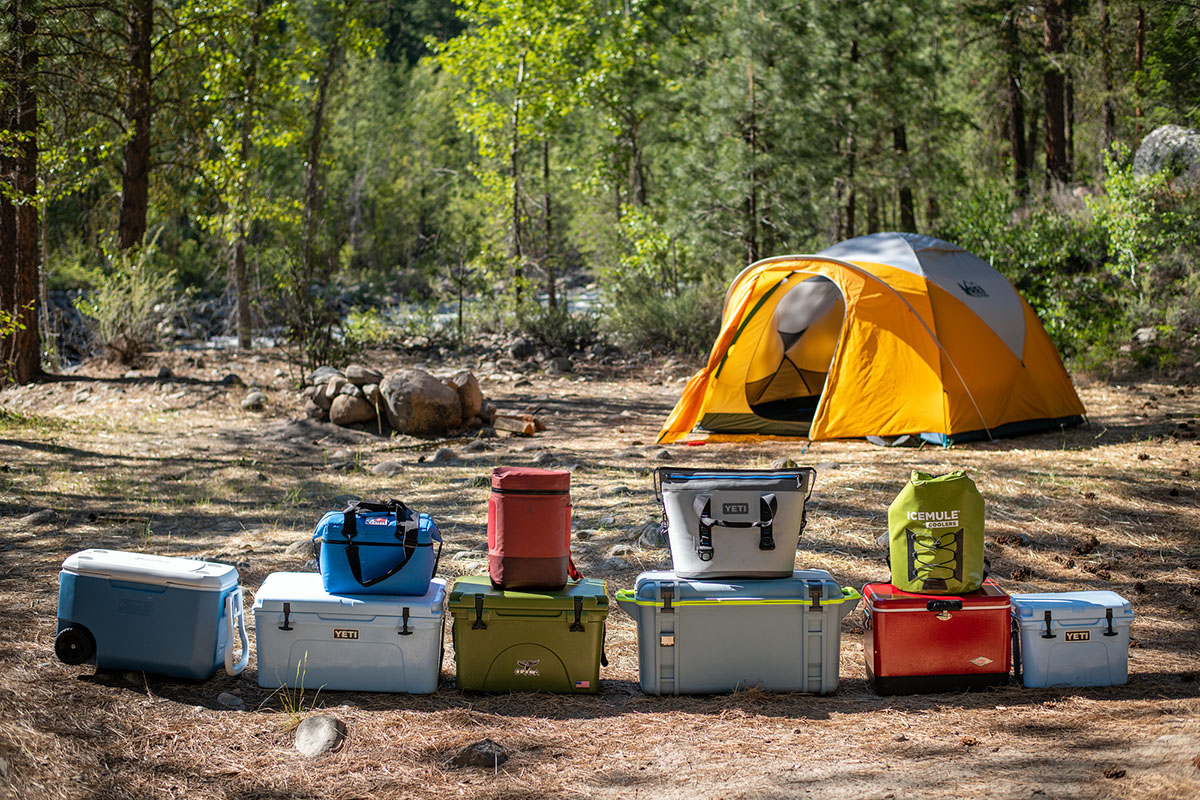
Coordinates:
[735,508]
[935,519]
[345,633]
[1078,636]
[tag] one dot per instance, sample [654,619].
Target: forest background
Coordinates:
[337,174]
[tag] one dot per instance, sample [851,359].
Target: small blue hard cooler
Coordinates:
[1071,638]
[132,611]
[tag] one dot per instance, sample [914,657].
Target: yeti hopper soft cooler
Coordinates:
[529,528]
[1071,638]
[728,523]
[377,548]
[708,637]
[310,639]
[935,643]
[132,611]
[508,641]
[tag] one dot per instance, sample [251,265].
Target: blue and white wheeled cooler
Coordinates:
[132,611]
[1071,638]
[721,635]
[307,638]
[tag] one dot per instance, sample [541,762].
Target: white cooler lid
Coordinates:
[306,593]
[1070,606]
[119,565]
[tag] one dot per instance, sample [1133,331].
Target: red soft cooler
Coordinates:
[529,529]
[936,643]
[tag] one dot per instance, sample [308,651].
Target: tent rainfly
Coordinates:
[883,335]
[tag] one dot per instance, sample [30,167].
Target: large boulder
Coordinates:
[469,393]
[347,410]
[1172,148]
[416,402]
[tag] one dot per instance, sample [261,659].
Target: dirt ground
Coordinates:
[177,467]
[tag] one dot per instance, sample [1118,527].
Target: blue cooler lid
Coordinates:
[1080,608]
[305,592]
[796,590]
[118,565]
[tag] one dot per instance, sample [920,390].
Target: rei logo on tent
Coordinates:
[972,289]
[528,668]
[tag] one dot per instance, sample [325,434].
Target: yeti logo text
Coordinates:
[345,633]
[1078,636]
[735,508]
[528,669]
[972,289]
[935,519]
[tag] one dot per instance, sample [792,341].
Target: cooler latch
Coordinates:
[287,612]
[815,590]
[577,625]
[404,630]
[479,624]
[668,594]
[1108,616]
[1048,634]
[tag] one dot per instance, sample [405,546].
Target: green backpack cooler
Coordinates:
[935,531]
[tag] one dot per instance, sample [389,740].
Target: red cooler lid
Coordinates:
[531,479]
[886,596]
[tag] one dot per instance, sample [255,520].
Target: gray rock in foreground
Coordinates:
[319,735]
[388,469]
[347,410]
[484,753]
[417,403]
[254,401]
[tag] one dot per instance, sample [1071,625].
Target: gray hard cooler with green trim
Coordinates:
[730,523]
[713,637]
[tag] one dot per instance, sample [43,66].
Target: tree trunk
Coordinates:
[514,164]
[551,294]
[637,168]
[20,357]
[1016,105]
[908,214]
[751,203]
[312,178]
[245,327]
[1057,166]
[1139,61]
[872,213]
[1106,71]
[135,173]
[848,228]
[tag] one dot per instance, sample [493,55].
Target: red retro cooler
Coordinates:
[918,643]
[529,529]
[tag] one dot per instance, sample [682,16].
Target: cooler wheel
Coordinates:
[74,644]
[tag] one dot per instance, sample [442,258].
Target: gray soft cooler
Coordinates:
[728,523]
[712,637]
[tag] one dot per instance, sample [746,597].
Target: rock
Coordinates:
[651,535]
[321,375]
[484,753]
[614,565]
[827,465]
[359,375]
[314,411]
[469,393]
[322,400]
[663,454]
[388,469]
[280,373]
[783,463]
[608,520]
[618,550]
[232,379]
[350,390]
[487,432]
[523,349]
[487,412]
[416,403]
[468,555]
[523,382]
[615,491]
[132,374]
[43,517]
[884,539]
[477,446]
[544,459]
[82,395]
[371,393]
[165,374]
[318,735]
[630,453]
[445,454]
[230,700]
[1173,148]
[334,386]
[308,392]
[299,547]
[1145,335]
[254,401]
[559,364]
[347,410]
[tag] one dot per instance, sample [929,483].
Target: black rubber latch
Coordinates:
[287,612]
[404,630]
[944,605]
[1108,616]
[1048,634]
[815,590]
[577,625]
[668,594]
[479,625]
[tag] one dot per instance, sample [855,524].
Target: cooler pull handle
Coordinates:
[230,667]
[1108,616]
[668,594]
[404,630]
[287,612]
[814,594]
[944,605]
[1048,634]
[577,625]
[1016,650]
[479,625]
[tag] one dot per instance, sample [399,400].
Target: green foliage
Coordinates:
[366,327]
[133,304]
[558,328]
[685,321]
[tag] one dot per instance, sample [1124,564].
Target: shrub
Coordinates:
[685,321]
[131,305]
[558,328]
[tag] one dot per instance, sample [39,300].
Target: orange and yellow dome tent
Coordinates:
[882,335]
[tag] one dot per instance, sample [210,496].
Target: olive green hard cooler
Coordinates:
[511,641]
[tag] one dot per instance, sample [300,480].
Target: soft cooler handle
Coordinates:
[230,667]
[702,505]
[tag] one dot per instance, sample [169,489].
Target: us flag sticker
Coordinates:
[583,684]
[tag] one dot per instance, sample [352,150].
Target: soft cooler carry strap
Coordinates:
[702,505]
[240,614]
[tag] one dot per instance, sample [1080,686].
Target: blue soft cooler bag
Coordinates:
[377,548]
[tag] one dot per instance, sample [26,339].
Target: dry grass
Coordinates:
[179,469]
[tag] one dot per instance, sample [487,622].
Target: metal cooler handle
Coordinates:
[230,667]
